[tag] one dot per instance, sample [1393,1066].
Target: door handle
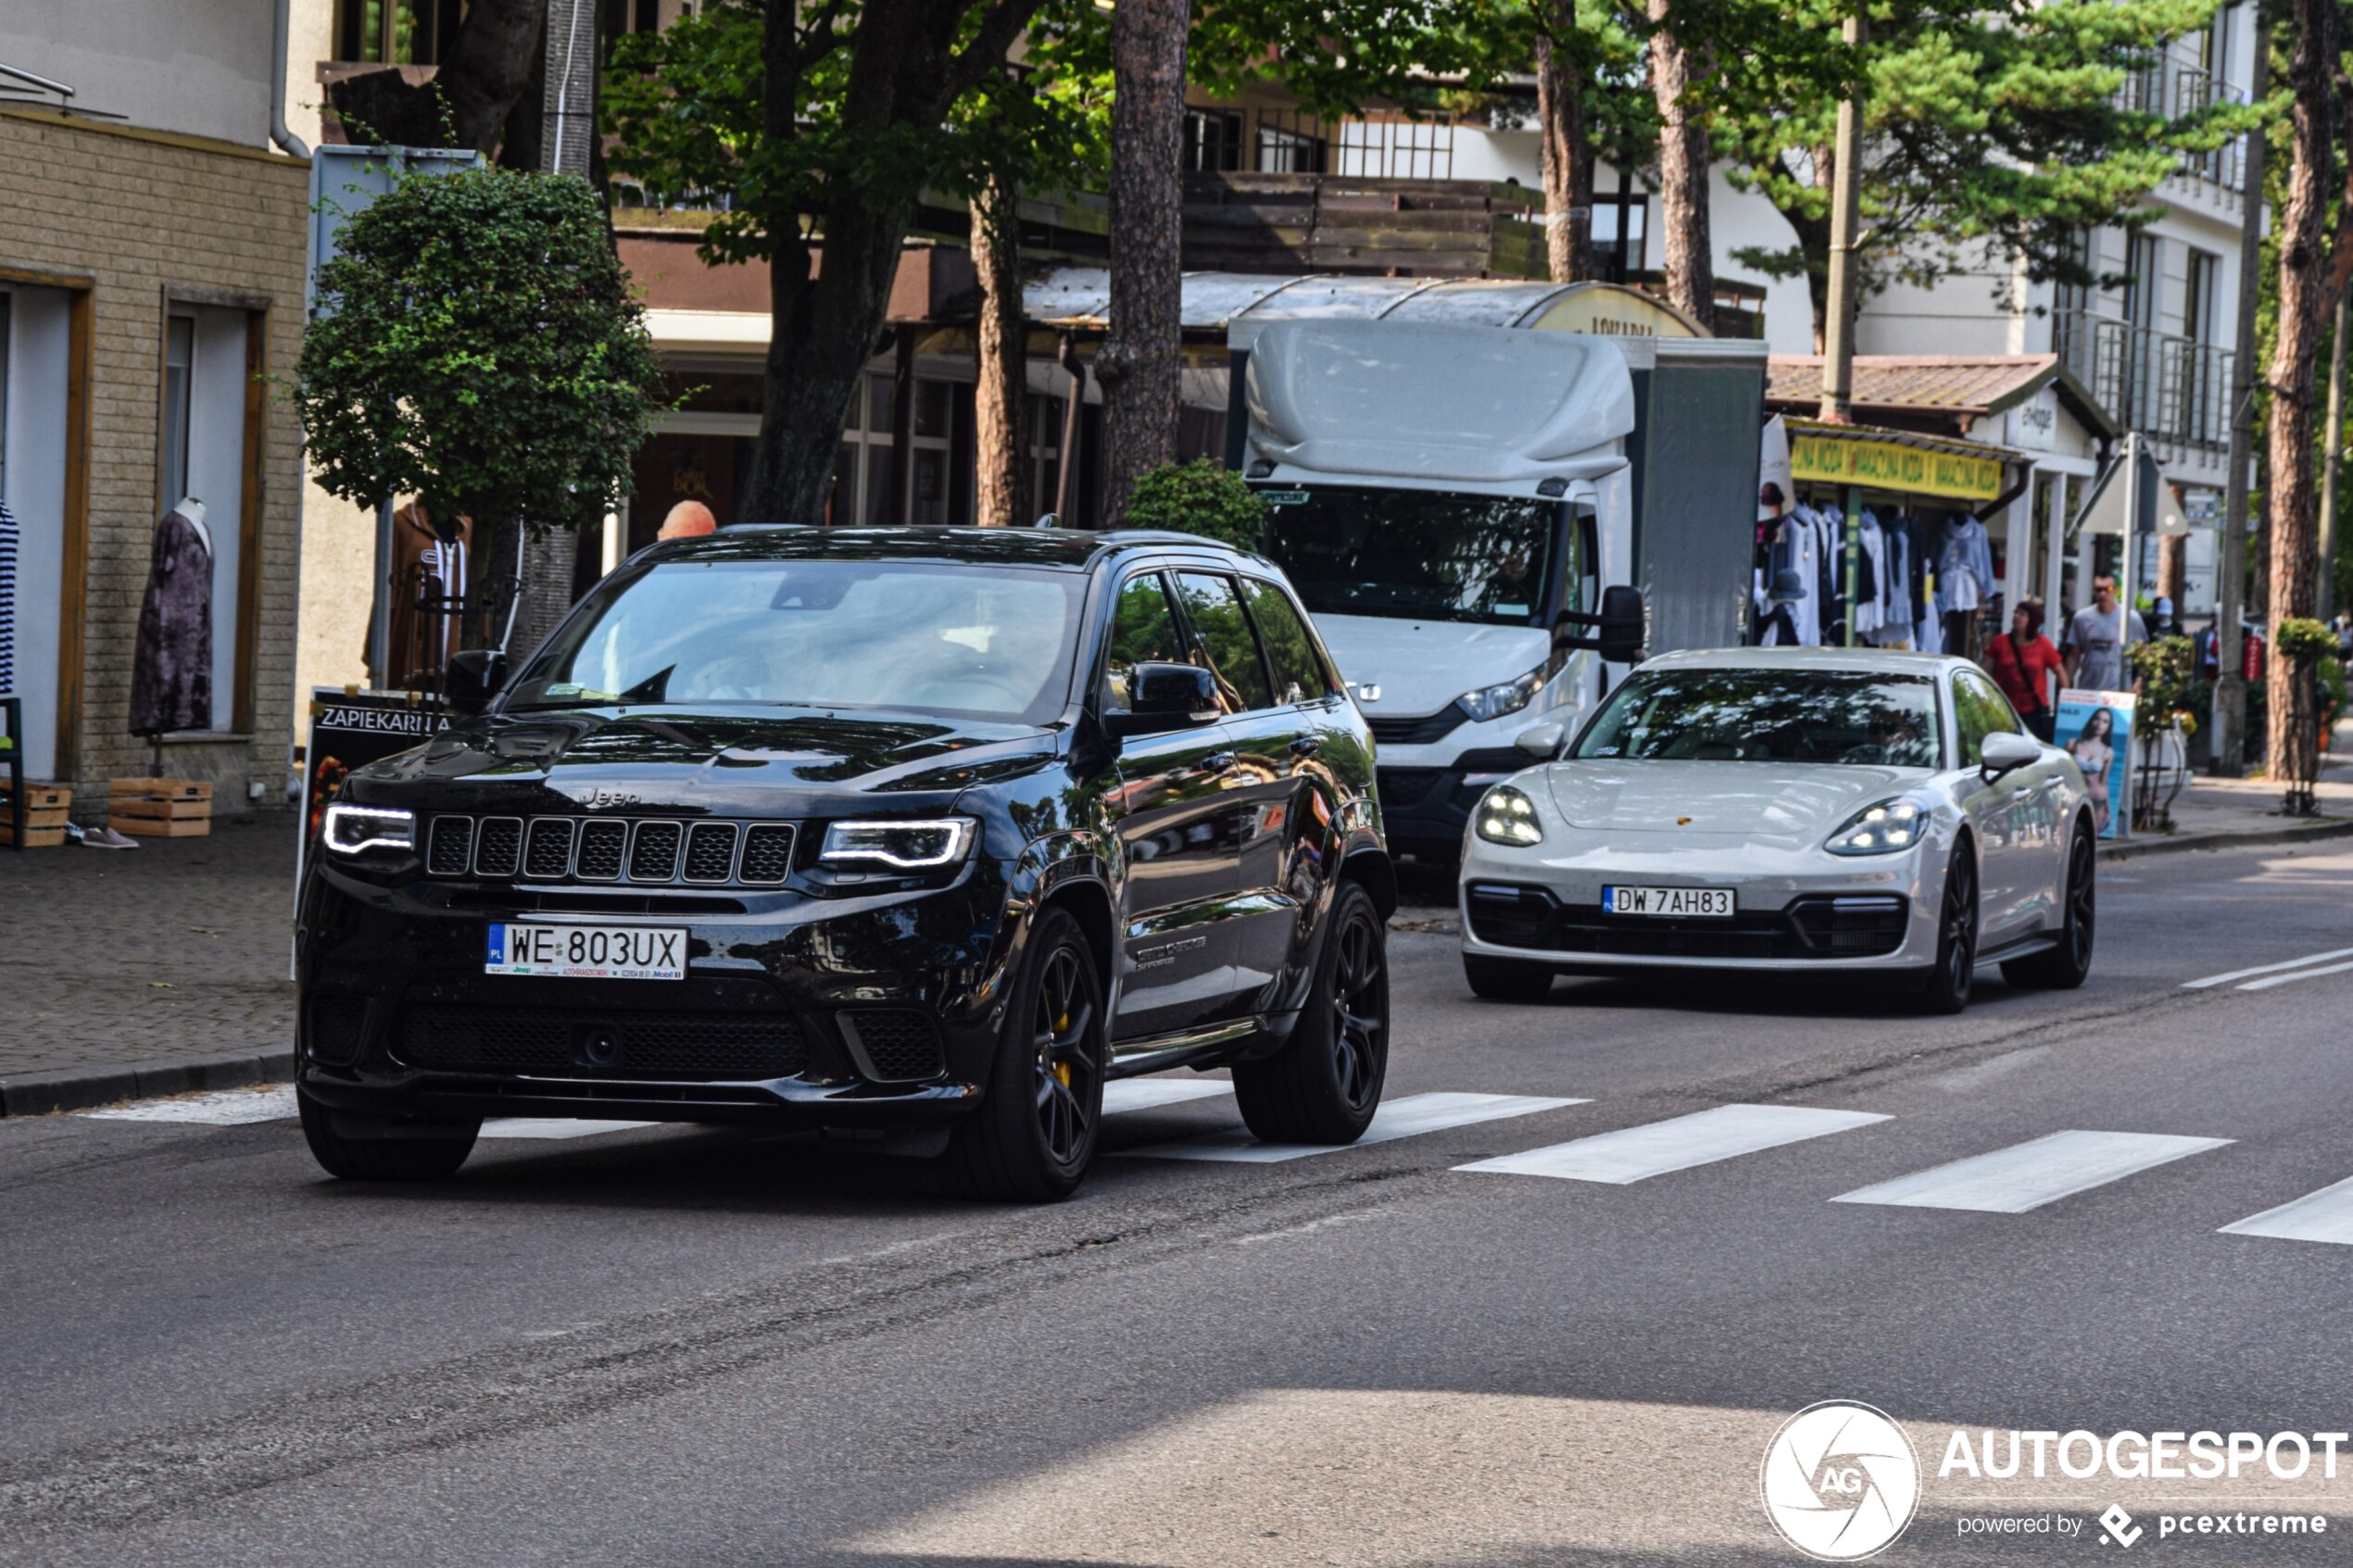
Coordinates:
[1216,763]
[1307,745]
[2021,792]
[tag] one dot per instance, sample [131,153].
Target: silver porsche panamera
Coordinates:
[1789,811]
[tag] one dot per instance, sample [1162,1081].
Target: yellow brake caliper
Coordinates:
[1062,1068]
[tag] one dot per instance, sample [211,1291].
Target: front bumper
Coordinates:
[1794,910]
[861,1010]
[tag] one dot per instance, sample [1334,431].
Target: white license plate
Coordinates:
[588,952]
[1670,903]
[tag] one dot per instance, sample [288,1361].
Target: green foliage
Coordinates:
[2302,639]
[2168,669]
[474,344]
[1200,497]
[1993,135]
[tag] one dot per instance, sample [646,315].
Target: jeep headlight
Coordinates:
[1505,816]
[1493,702]
[1880,829]
[354,830]
[906,847]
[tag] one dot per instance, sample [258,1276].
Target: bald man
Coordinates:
[688,519]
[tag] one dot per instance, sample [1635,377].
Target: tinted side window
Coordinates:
[1215,611]
[1143,630]
[1298,674]
[1980,710]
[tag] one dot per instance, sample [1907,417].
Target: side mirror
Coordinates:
[1540,741]
[1163,698]
[1623,617]
[2003,752]
[474,678]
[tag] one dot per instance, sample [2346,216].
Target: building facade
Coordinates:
[151,284]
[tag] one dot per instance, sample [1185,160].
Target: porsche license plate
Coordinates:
[588,952]
[1670,903]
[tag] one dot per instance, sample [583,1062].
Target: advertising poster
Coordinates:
[350,730]
[2096,728]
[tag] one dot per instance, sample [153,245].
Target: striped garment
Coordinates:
[7,600]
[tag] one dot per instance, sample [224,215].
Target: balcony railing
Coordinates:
[1263,141]
[2174,390]
[2177,91]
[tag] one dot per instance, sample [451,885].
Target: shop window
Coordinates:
[931,408]
[1212,141]
[400,33]
[179,361]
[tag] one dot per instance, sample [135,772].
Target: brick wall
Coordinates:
[140,213]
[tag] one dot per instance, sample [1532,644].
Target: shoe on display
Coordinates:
[106,838]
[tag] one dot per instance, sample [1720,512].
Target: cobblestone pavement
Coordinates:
[173,950]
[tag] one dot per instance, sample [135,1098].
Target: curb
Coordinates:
[78,1088]
[2134,848]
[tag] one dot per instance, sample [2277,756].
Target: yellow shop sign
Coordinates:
[1883,465]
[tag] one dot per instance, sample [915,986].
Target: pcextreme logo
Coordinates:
[1840,1481]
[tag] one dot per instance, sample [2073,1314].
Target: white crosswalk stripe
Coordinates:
[2044,1170]
[1633,1154]
[1150,1094]
[2325,1216]
[2213,980]
[1410,1117]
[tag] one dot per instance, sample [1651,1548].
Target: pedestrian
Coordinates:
[688,519]
[2097,637]
[2023,663]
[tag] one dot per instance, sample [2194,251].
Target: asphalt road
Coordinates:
[700,1347]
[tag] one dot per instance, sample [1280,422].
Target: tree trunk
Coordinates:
[484,71]
[1000,434]
[1568,161]
[1138,363]
[824,322]
[2303,304]
[1682,171]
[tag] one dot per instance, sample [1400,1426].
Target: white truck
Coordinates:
[1489,522]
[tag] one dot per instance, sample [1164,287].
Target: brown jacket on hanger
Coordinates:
[424,566]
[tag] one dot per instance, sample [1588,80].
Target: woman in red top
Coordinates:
[2021,662]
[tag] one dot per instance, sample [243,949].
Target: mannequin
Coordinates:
[192,509]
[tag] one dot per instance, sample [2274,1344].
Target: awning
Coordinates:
[1901,461]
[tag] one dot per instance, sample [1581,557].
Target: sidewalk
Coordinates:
[2217,813]
[146,972]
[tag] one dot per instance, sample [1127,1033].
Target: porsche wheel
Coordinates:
[1948,986]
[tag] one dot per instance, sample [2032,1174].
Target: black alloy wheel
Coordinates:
[408,1151]
[1323,1084]
[2067,964]
[1034,1133]
[1949,982]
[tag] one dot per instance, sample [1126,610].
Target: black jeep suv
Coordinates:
[844,828]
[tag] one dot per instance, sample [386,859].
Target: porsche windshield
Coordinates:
[1422,555]
[989,642]
[1830,716]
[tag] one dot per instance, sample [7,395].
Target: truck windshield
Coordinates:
[1423,554]
[1716,715]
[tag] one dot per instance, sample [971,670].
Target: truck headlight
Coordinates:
[1505,816]
[1880,829]
[1493,702]
[906,846]
[354,830]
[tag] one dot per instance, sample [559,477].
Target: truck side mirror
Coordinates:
[474,677]
[1622,625]
[1163,697]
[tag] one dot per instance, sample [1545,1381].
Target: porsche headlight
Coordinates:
[1880,829]
[1493,702]
[907,846]
[1505,816]
[354,830]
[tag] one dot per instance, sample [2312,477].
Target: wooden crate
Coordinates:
[160,789]
[34,838]
[161,810]
[40,797]
[155,827]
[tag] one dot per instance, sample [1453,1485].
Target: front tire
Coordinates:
[1034,1135]
[2068,965]
[1325,1084]
[1946,989]
[418,1152]
[1508,980]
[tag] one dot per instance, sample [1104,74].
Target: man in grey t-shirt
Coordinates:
[2097,637]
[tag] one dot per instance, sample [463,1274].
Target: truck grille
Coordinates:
[701,1047]
[646,853]
[1425,731]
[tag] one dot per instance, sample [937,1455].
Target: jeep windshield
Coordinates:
[987,642]
[1421,555]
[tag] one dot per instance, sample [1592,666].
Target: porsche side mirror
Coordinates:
[1540,741]
[2003,752]
[474,677]
[1165,697]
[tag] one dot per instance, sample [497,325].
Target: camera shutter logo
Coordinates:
[1840,1481]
